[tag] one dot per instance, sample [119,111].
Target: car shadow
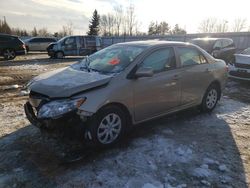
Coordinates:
[43,160]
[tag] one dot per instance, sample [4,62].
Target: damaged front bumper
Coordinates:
[68,119]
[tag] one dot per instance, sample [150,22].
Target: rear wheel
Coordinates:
[59,55]
[210,98]
[9,54]
[106,127]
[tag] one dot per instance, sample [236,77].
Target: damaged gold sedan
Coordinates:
[125,84]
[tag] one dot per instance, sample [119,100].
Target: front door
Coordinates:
[160,93]
[69,46]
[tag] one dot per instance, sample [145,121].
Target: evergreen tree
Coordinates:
[178,30]
[94,24]
[34,32]
[4,26]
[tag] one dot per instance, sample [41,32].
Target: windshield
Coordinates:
[113,59]
[204,44]
[246,51]
[62,39]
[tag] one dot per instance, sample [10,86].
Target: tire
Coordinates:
[9,54]
[27,49]
[106,127]
[210,98]
[59,55]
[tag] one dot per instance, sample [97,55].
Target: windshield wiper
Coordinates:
[86,64]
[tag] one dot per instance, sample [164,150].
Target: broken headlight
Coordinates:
[57,108]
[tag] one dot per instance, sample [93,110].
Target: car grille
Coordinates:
[244,66]
[240,74]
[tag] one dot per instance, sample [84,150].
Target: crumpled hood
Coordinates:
[66,82]
[242,58]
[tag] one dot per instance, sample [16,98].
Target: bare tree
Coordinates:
[68,29]
[4,26]
[118,18]
[221,27]
[131,18]
[104,25]
[111,24]
[239,24]
[43,32]
[208,25]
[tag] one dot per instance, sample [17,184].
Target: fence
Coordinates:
[241,39]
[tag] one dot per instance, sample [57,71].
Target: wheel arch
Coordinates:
[122,107]
[217,84]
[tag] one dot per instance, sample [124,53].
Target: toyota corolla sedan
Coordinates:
[123,85]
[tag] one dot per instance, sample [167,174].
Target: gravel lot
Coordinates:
[187,149]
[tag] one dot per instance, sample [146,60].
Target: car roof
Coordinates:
[151,43]
[7,35]
[210,39]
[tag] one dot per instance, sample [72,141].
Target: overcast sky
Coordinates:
[53,14]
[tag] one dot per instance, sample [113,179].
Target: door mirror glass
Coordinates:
[217,48]
[144,72]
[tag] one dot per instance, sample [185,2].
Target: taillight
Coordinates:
[23,46]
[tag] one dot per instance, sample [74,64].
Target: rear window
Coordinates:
[204,44]
[6,38]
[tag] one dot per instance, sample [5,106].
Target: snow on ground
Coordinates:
[188,149]
[184,150]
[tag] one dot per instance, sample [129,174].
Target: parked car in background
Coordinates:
[123,84]
[11,46]
[220,48]
[38,43]
[241,68]
[75,46]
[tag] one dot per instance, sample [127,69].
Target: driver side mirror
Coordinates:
[217,48]
[144,72]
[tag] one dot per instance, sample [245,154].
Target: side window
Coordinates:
[225,43]
[69,41]
[51,40]
[217,44]
[190,56]
[36,40]
[4,39]
[160,60]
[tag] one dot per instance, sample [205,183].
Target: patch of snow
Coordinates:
[223,168]
[209,161]
[149,185]
[23,93]
[15,86]
[205,182]
[202,172]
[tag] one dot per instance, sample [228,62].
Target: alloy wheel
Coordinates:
[109,128]
[211,98]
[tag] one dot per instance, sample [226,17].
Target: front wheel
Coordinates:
[210,98]
[9,54]
[106,127]
[59,55]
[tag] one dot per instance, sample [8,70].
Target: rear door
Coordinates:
[196,74]
[34,44]
[160,93]
[45,43]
